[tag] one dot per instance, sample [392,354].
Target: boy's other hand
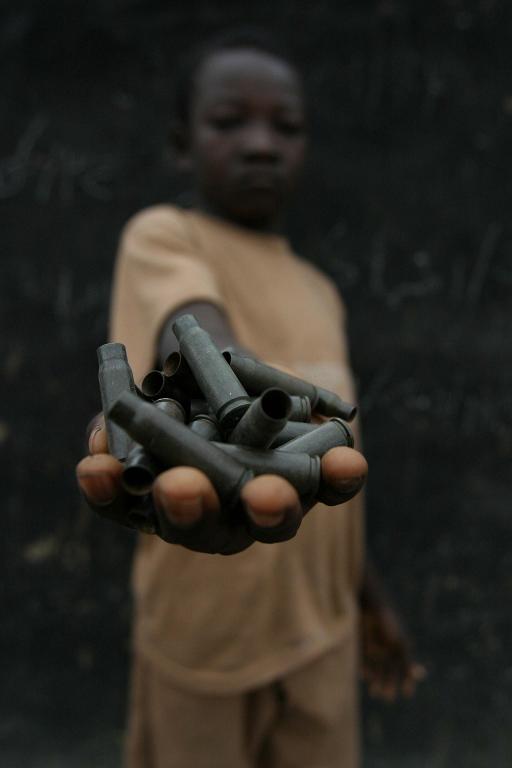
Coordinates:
[187,507]
[387,664]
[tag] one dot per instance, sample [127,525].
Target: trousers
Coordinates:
[306,720]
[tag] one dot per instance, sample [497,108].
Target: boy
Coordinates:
[248,661]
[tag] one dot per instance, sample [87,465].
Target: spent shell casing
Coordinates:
[225,394]
[198,407]
[174,444]
[139,471]
[115,377]
[290,431]
[206,426]
[322,438]
[152,385]
[155,386]
[301,470]
[301,408]
[257,376]
[172,408]
[263,420]
[329,404]
[141,468]
[331,434]
[179,374]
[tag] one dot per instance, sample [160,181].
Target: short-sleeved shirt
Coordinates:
[228,624]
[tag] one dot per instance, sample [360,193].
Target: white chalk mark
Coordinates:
[483,263]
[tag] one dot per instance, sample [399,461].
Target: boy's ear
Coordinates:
[180,146]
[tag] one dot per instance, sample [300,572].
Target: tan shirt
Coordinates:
[226,624]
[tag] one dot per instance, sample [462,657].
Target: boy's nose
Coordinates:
[260,141]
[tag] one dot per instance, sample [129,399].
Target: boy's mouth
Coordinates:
[260,179]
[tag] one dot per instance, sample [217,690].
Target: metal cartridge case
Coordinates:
[206,426]
[290,431]
[155,386]
[329,404]
[301,408]
[263,420]
[141,468]
[257,376]
[329,435]
[172,408]
[318,441]
[174,444]
[139,471]
[225,394]
[114,377]
[198,408]
[152,385]
[301,470]
[178,374]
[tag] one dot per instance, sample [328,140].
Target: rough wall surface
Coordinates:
[408,189]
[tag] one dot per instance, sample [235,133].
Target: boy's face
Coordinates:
[247,136]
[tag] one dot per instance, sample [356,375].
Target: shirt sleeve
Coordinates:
[157,270]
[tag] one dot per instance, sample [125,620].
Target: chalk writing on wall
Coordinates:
[460,280]
[53,170]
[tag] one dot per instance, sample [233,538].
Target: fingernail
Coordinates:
[348,486]
[182,513]
[93,436]
[268,520]
[99,488]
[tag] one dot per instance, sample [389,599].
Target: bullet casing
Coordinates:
[263,420]
[290,431]
[329,404]
[225,394]
[301,408]
[174,444]
[155,386]
[141,468]
[152,385]
[331,434]
[206,426]
[198,407]
[301,470]
[178,374]
[318,441]
[139,471]
[257,376]
[115,377]
[172,408]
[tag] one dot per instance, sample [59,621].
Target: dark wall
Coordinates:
[406,205]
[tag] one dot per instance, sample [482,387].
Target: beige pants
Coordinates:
[307,720]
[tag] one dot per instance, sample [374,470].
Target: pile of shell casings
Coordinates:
[224,413]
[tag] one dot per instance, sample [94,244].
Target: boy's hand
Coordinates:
[387,666]
[187,507]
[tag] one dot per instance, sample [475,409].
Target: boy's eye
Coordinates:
[225,122]
[290,127]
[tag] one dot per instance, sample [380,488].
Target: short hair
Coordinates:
[234,39]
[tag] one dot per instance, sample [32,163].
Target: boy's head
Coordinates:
[239,127]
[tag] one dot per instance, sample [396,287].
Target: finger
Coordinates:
[273,508]
[99,478]
[184,495]
[382,688]
[98,438]
[344,470]
[189,513]
[416,674]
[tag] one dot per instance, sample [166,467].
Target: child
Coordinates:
[247,661]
